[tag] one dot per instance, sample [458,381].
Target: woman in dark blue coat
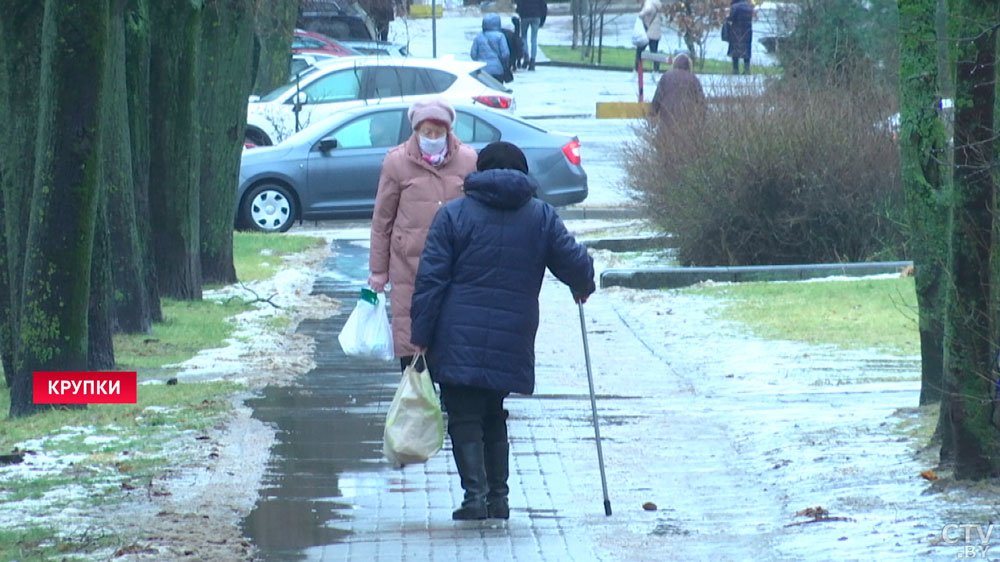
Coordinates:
[740,34]
[475,311]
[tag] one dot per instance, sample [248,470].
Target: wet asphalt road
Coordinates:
[328,423]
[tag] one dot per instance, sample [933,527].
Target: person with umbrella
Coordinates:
[475,311]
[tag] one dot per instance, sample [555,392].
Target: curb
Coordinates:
[585,213]
[631,244]
[676,277]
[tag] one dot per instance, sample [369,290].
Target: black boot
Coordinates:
[469,458]
[531,64]
[497,470]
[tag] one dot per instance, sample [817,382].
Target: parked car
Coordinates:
[311,42]
[340,19]
[381,48]
[299,63]
[351,81]
[331,169]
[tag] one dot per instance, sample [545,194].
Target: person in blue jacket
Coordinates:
[490,47]
[475,311]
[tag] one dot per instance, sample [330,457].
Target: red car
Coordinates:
[310,42]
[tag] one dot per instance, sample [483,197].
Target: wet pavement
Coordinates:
[727,435]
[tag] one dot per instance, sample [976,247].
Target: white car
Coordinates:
[354,81]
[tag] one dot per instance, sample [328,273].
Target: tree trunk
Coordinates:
[275,25]
[137,52]
[130,302]
[227,48]
[20,63]
[100,348]
[970,382]
[174,164]
[64,195]
[923,144]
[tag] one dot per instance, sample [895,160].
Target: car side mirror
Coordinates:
[326,145]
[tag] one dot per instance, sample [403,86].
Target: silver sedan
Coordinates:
[330,170]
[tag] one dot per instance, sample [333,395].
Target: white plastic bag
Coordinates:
[414,426]
[367,332]
[639,37]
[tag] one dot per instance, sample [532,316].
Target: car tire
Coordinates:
[256,138]
[268,207]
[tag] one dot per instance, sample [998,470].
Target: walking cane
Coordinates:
[593,408]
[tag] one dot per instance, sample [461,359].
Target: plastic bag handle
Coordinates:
[413,362]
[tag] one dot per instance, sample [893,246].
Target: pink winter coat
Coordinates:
[410,191]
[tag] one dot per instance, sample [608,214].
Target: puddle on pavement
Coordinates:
[329,431]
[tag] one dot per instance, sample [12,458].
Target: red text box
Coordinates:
[85,387]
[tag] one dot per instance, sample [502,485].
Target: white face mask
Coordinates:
[432,146]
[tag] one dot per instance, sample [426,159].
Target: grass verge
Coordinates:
[81,458]
[624,58]
[878,314]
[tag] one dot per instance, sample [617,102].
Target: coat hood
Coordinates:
[491,22]
[503,189]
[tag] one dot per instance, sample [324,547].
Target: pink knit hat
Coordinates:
[436,108]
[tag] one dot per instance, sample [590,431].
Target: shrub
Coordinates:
[801,174]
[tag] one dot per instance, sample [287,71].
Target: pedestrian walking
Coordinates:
[740,20]
[532,14]
[679,97]
[490,46]
[650,16]
[475,311]
[514,45]
[418,177]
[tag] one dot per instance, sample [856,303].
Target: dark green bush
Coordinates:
[799,175]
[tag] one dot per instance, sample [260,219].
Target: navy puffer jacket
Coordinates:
[475,302]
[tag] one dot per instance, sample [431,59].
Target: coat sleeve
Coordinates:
[474,52]
[504,51]
[384,217]
[568,259]
[433,279]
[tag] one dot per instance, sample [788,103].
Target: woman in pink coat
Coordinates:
[418,177]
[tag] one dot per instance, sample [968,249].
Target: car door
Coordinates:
[395,83]
[474,131]
[343,180]
[330,93]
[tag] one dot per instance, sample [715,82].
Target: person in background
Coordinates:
[678,96]
[740,34]
[490,46]
[418,177]
[532,14]
[475,311]
[650,14]
[515,47]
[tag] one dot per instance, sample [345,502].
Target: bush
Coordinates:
[840,40]
[801,174]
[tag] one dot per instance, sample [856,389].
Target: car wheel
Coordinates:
[268,207]
[256,138]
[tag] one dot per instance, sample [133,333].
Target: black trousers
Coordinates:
[474,414]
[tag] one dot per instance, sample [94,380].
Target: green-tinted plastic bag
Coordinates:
[414,426]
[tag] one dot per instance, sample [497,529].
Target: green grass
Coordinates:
[148,437]
[622,57]
[878,314]
[186,406]
[38,544]
[257,255]
[187,327]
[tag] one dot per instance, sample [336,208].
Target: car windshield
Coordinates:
[485,79]
[280,91]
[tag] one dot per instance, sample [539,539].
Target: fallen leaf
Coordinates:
[649,506]
[929,475]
